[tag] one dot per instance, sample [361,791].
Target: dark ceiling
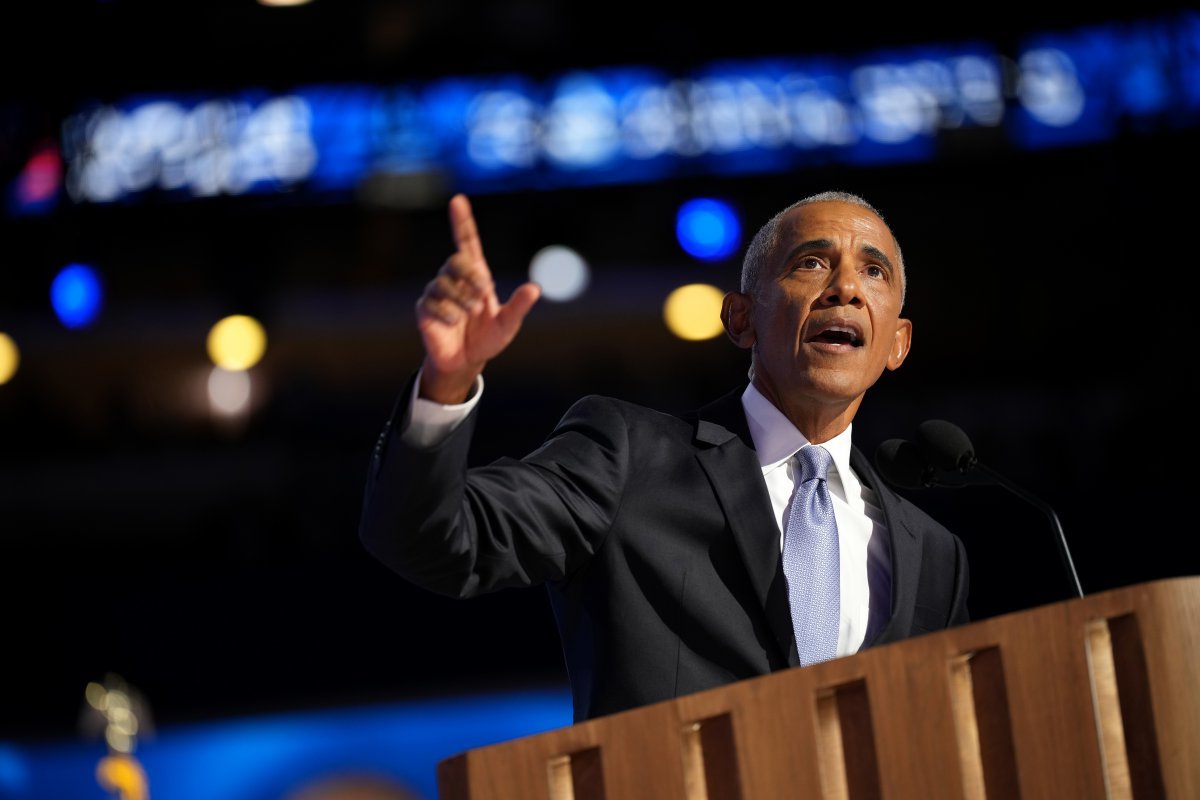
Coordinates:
[218,569]
[64,53]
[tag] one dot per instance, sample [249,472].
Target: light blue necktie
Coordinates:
[811,561]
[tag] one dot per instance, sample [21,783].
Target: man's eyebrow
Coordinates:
[811,244]
[878,255]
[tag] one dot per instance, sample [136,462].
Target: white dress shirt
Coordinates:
[862,532]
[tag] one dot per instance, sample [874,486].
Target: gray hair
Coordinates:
[767,239]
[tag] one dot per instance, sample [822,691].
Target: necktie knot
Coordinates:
[814,462]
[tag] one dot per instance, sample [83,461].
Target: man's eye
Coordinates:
[808,262]
[876,271]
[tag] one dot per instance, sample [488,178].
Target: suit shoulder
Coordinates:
[598,405]
[613,420]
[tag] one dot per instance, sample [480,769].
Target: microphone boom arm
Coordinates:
[1061,541]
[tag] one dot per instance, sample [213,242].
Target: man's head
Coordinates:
[819,306]
[766,240]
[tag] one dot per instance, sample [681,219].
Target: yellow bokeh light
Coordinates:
[237,342]
[10,358]
[123,773]
[693,312]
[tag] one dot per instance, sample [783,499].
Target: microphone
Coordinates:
[944,456]
[946,445]
[901,464]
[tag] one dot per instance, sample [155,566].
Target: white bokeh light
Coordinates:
[228,391]
[560,271]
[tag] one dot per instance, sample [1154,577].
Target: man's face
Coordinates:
[825,317]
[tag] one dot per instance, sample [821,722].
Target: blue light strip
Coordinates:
[639,124]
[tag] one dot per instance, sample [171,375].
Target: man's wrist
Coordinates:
[447,388]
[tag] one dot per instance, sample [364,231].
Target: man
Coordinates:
[660,536]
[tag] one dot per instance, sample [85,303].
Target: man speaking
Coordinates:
[681,552]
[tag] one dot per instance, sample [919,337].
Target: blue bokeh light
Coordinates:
[278,755]
[708,229]
[76,295]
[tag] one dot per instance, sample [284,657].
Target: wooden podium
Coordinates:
[1094,697]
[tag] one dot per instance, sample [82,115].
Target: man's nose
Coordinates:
[843,288]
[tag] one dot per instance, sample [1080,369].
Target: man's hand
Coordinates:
[462,323]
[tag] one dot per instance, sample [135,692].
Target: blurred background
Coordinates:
[217,218]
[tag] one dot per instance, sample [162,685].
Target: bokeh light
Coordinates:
[562,273]
[76,295]
[228,391]
[237,342]
[708,229]
[10,358]
[693,312]
[39,182]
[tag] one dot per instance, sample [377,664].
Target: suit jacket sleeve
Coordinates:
[461,532]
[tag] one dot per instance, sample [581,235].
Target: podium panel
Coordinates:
[1093,697]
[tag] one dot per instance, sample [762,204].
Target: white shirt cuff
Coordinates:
[430,422]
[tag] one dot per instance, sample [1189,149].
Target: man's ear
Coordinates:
[901,345]
[736,315]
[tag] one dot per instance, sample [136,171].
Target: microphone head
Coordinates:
[901,464]
[945,445]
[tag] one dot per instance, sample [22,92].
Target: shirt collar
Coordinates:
[776,439]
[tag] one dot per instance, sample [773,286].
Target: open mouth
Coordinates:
[839,334]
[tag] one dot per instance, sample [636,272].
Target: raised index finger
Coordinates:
[462,224]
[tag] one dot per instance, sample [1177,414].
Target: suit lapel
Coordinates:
[728,457]
[906,554]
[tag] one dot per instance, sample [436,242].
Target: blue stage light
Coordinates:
[708,229]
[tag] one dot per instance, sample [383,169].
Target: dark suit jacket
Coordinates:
[654,534]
